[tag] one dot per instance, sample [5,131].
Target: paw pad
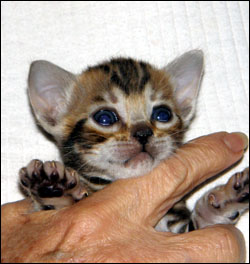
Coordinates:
[51,180]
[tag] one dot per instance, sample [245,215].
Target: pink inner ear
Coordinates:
[185,73]
[186,91]
[48,85]
[48,103]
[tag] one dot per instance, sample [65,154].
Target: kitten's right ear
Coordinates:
[185,73]
[50,88]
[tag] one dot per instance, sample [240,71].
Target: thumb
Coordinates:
[150,196]
[214,244]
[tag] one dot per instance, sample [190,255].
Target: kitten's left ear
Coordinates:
[185,73]
[50,89]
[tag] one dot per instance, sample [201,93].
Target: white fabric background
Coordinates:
[76,34]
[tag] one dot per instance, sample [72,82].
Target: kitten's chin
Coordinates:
[139,160]
[137,165]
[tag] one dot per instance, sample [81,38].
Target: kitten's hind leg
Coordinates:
[50,185]
[223,204]
[177,219]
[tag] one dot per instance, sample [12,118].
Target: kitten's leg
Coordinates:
[176,220]
[50,185]
[223,204]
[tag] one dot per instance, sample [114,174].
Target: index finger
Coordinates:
[192,164]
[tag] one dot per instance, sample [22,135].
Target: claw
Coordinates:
[244,198]
[51,180]
[212,201]
[53,164]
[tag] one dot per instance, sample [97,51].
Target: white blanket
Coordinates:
[76,34]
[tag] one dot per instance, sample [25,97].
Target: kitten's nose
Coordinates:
[142,132]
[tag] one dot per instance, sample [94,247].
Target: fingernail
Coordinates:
[236,141]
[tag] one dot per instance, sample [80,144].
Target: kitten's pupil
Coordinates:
[105,117]
[161,114]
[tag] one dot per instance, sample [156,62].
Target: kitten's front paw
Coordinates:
[51,185]
[232,199]
[223,204]
[240,183]
[235,192]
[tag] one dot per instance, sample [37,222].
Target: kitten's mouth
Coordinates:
[140,158]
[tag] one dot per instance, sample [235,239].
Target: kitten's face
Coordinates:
[127,130]
[118,119]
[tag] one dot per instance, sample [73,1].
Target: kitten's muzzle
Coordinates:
[141,133]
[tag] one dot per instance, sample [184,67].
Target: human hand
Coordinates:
[116,223]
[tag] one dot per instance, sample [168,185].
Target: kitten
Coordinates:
[116,120]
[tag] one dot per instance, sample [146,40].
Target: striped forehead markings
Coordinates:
[126,67]
[129,75]
[103,67]
[124,74]
[145,76]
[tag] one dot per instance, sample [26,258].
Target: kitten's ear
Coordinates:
[185,74]
[50,88]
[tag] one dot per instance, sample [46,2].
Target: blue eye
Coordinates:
[105,117]
[161,114]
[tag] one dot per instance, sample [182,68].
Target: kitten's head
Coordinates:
[118,119]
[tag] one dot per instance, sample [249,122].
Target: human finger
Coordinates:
[214,244]
[12,211]
[150,196]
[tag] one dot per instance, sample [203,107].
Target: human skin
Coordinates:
[116,223]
